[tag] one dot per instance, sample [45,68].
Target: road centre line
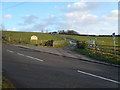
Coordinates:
[98,76]
[10,51]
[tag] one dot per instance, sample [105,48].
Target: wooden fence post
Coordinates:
[9,39]
[114,47]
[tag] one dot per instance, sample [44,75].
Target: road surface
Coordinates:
[28,68]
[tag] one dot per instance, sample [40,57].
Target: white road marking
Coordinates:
[34,58]
[98,76]
[10,51]
[26,56]
[20,54]
[29,57]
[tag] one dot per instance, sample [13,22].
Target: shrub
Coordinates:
[82,44]
[49,43]
[36,44]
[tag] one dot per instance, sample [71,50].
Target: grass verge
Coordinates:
[101,57]
[6,83]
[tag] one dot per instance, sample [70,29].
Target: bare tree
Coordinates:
[2,27]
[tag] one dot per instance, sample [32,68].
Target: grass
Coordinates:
[100,56]
[103,54]
[98,40]
[6,83]
[24,38]
[61,44]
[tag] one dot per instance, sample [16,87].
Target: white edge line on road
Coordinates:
[98,76]
[20,54]
[29,57]
[10,51]
[26,56]
[82,58]
[34,58]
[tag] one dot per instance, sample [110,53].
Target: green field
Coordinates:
[107,41]
[105,46]
[98,40]
[24,38]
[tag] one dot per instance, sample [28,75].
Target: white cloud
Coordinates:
[113,15]
[12,29]
[80,6]
[21,24]
[83,19]
[39,27]
[76,5]
[29,19]
[101,30]
[48,22]
[108,30]
[51,20]
[77,16]
[8,16]
[26,28]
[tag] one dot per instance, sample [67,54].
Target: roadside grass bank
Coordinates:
[23,38]
[6,84]
[100,57]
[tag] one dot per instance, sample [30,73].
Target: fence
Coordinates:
[105,49]
[56,43]
[38,41]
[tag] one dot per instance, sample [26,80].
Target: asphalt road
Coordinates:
[28,68]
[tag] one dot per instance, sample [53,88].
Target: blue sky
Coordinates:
[85,18]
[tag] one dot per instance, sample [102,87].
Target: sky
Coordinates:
[98,18]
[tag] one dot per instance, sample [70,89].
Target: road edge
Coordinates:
[92,61]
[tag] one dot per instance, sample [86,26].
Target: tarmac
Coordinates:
[67,51]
